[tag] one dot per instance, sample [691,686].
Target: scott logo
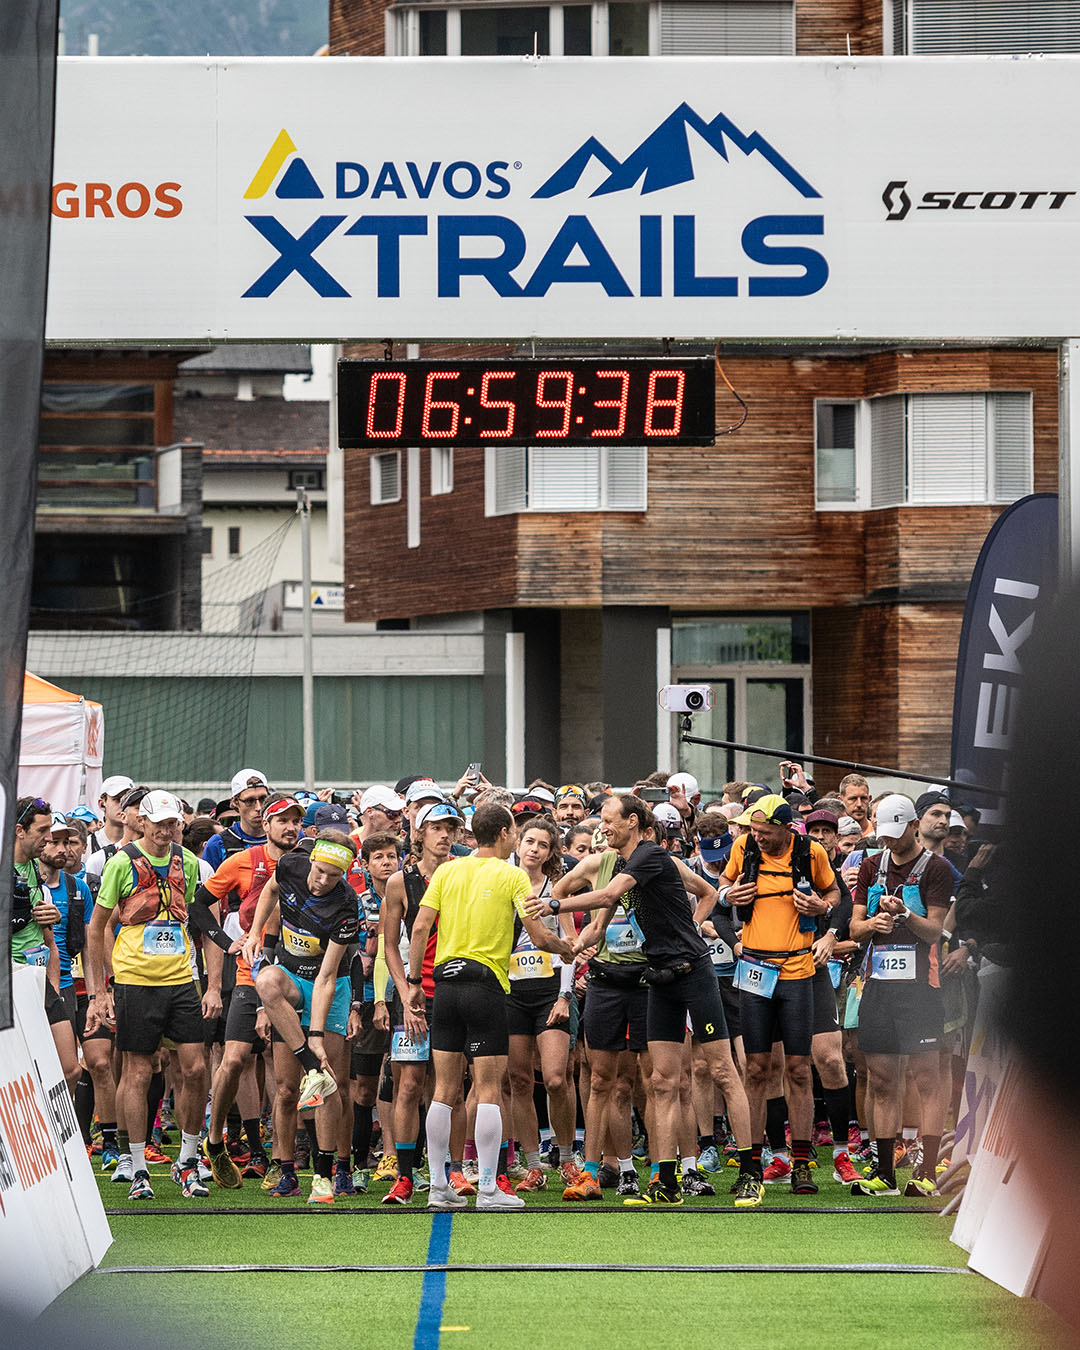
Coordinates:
[898,203]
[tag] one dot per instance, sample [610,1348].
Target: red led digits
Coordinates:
[485,402]
[430,404]
[399,409]
[620,402]
[563,403]
[652,402]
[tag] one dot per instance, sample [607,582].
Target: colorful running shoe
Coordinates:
[535,1179]
[140,1187]
[288,1185]
[843,1170]
[778,1170]
[749,1191]
[315,1086]
[322,1191]
[400,1193]
[223,1170]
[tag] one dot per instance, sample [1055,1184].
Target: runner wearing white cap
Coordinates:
[112,813]
[380,810]
[249,792]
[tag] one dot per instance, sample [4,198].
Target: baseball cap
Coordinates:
[277,806]
[935,797]
[60,823]
[894,814]
[667,815]
[716,848]
[686,781]
[848,825]
[772,806]
[437,811]
[330,816]
[309,813]
[246,778]
[823,818]
[528,806]
[542,795]
[84,813]
[116,785]
[160,806]
[423,788]
[381,796]
[754,793]
[956,821]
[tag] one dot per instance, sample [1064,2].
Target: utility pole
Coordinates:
[303,510]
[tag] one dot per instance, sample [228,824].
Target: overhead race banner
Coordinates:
[1015,575]
[27,70]
[330,198]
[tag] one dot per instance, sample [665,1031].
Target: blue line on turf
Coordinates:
[433,1290]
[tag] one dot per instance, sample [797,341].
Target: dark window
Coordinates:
[208,539]
[234,541]
[433,32]
[628,30]
[391,625]
[305,478]
[577,30]
[504,32]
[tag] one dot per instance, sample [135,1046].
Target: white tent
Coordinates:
[63,737]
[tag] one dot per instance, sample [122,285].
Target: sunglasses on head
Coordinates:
[570,790]
[36,805]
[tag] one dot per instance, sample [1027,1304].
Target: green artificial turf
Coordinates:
[541,1309]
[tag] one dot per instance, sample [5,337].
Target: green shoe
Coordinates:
[655,1194]
[874,1184]
[273,1176]
[361,1179]
[225,1172]
[921,1188]
[749,1191]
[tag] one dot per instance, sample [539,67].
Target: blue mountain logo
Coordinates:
[663,159]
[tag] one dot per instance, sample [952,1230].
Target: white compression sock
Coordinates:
[488,1142]
[438,1141]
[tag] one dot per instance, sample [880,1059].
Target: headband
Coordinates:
[337,855]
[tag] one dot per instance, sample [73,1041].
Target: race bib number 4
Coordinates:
[892,963]
[405,1050]
[756,977]
[529,964]
[621,940]
[163,939]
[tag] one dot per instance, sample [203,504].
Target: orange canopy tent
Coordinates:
[63,738]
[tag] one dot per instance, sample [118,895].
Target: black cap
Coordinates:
[929,799]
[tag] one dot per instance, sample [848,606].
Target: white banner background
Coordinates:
[151,239]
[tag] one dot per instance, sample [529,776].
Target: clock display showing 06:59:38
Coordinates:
[572,402]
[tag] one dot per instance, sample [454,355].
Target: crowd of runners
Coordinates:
[430,993]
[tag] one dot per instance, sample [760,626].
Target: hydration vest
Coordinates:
[152,891]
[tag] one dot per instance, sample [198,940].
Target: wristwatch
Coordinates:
[556,905]
[410,979]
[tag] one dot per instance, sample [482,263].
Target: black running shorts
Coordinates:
[240,1015]
[469,1014]
[825,1018]
[901,1018]
[147,1013]
[369,1047]
[695,996]
[103,1033]
[729,997]
[788,1016]
[615,1017]
[528,1004]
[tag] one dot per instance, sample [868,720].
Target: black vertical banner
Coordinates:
[27,94]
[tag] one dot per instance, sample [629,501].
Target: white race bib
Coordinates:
[889,962]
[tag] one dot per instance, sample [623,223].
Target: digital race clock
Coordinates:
[617,401]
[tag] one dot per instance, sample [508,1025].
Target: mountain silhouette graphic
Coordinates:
[663,159]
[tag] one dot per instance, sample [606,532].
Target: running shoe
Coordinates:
[843,1170]
[123,1170]
[302,1151]
[627,1187]
[140,1187]
[203,1169]
[315,1086]
[813,1156]
[822,1134]
[273,1176]
[578,1159]
[110,1156]
[153,1154]
[443,1199]
[874,1184]
[854,1139]
[343,1182]
[571,1173]
[387,1168]
[640,1147]
[400,1193]
[749,1191]
[420,1182]
[361,1180]
[656,1195]
[322,1191]
[921,1188]
[709,1161]
[583,1189]
[607,1177]
[256,1167]
[518,1172]
[864,1153]
[943,1165]
[470,1170]
[238,1152]
[778,1170]
[461,1183]
[223,1170]
[693,1183]
[503,1183]
[190,1185]
[288,1185]
[499,1198]
[802,1181]
[915,1155]
[535,1179]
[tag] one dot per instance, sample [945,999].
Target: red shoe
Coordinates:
[239,1153]
[822,1135]
[778,1170]
[854,1138]
[503,1182]
[256,1166]
[535,1179]
[154,1155]
[400,1193]
[460,1183]
[843,1170]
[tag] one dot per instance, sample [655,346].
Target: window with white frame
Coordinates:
[558,478]
[923,450]
[984,27]
[606,28]
[442,469]
[386,478]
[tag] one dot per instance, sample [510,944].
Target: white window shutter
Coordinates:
[386,478]
[509,479]
[993,26]
[1011,445]
[624,477]
[727,28]
[563,478]
[888,451]
[947,438]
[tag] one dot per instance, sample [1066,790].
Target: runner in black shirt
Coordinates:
[681,985]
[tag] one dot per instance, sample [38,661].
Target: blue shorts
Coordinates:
[337,1019]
